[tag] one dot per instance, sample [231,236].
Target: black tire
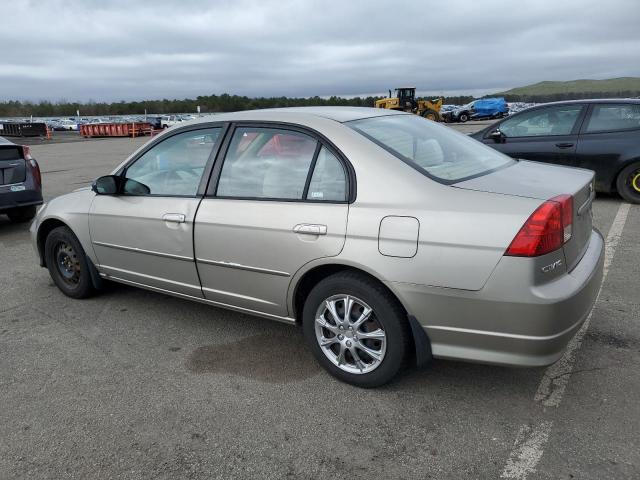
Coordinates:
[463,117]
[67,263]
[628,183]
[431,115]
[22,214]
[388,315]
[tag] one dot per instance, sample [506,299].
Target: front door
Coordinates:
[547,135]
[280,202]
[145,234]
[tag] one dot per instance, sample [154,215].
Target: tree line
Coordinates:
[208,104]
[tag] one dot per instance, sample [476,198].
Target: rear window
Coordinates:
[614,117]
[435,150]
[9,153]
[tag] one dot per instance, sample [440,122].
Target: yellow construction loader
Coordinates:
[405,100]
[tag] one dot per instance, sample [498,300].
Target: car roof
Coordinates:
[302,114]
[4,141]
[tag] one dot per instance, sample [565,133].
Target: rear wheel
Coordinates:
[463,117]
[356,329]
[22,214]
[628,183]
[68,264]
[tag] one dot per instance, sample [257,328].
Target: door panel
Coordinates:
[559,150]
[133,241]
[145,233]
[247,250]
[548,134]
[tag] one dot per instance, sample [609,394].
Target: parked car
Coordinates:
[65,124]
[601,135]
[155,121]
[478,110]
[170,120]
[20,182]
[386,237]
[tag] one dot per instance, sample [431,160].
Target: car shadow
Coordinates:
[276,353]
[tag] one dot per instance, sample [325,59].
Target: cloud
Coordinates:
[112,50]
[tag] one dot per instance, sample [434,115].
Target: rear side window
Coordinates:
[267,163]
[605,118]
[542,122]
[435,150]
[329,180]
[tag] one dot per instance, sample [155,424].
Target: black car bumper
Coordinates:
[24,198]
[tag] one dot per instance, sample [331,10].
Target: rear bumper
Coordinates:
[25,198]
[510,321]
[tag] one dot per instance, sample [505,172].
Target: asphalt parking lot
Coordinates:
[134,384]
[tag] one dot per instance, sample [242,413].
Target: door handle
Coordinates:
[310,229]
[564,145]
[174,217]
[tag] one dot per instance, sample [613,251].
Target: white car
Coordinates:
[68,124]
[167,121]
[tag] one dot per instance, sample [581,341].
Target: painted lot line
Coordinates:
[529,445]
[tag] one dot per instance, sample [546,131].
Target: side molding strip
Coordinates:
[239,266]
[146,252]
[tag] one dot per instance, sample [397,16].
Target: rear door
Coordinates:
[609,137]
[548,134]
[278,201]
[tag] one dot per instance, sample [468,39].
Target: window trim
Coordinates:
[206,173]
[574,130]
[592,107]
[322,141]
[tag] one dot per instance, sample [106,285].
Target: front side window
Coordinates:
[173,166]
[548,121]
[266,163]
[607,117]
[435,150]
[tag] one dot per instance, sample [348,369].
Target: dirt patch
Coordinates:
[273,358]
[611,340]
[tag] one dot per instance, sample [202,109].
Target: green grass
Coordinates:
[610,87]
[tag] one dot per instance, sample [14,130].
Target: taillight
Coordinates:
[546,230]
[35,168]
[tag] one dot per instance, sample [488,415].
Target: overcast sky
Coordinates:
[113,50]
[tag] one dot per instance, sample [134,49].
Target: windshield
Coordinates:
[435,150]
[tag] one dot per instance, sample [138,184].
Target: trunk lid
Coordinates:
[13,168]
[543,182]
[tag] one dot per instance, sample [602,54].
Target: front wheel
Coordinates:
[430,115]
[463,117]
[628,183]
[21,214]
[68,264]
[356,329]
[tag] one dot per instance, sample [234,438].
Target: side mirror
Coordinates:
[107,185]
[497,136]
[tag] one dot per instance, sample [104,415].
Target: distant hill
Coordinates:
[574,89]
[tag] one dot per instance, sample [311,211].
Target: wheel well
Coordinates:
[614,182]
[315,275]
[421,345]
[43,233]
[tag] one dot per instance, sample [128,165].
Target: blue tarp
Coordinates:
[487,107]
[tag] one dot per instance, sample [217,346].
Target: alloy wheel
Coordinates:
[349,334]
